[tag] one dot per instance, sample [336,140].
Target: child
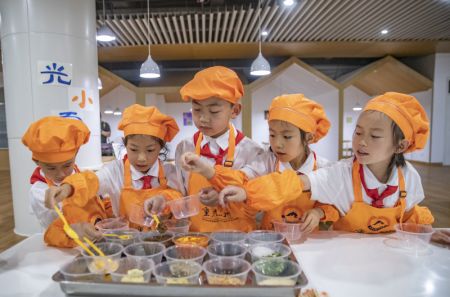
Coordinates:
[294,123]
[141,178]
[377,188]
[215,93]
[54,143]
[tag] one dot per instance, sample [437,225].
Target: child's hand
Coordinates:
[209,196]
[311,219]
[192,162]
[86,230]
[54,195]
[441,236]
[154,205]
[232,194]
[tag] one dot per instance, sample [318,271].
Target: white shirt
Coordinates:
[245,152]
[111,180]
[333,185]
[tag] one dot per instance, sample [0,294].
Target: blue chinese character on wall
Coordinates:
[69,114]
[53,71]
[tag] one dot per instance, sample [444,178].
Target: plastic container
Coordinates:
[178,226]
[133,233]
[290,230]
[276,272]
[178,272]
[414,237]
[196,238]
[187,252]
[185,207]
[227,250]
[133,270]
[104,264]
[226,271]
[269,250]
[231,236]
[77,270]
[108,225]
[154,236]
[148,250]
[264,236]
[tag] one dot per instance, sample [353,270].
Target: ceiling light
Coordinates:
[149,69]
[384,32]
[357,107]
[288,2]
[105,34]
[99,83]
[264,33]
[260,65]
[108,110]
[117,112]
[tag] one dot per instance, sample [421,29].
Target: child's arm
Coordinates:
[44,215]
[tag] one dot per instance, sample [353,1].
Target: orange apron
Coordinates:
[365,218]
[132,200]
[236,217]
[290,212]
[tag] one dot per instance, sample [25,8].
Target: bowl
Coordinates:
[414,237]
[154,236]
[112,224]
[133,270]
[187,252]
[226,249]
[269,250]
[185,207]
[191,238]
[226,271]
[178,226]
[77,270]
[178,272]
[276,272]
[133,233]
[264,236]
[290,230]
[232,236]
[104,264]
[148,250]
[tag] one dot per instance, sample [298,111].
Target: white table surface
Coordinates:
[341,264]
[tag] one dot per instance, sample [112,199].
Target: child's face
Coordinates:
[142,151]
[285,141]
[373,138]
[57,172]
[212,116]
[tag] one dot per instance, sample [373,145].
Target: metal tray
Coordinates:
[105,288]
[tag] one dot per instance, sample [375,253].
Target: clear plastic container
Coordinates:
[196,238]
[133,270]
[232,236]
[132,233]
[178,273]
[104,264]
[110,224]
[414,237]
[148,250]
[77,270]
[185,207]
[227,250]
[276,272]
[264,236]
[154,236]
[290,230]
[227,271]
[269,250]
[178,226]
[188,252]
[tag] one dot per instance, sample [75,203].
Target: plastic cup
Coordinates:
[178,226]
[77,270]
[154,236]
[414,237]
[276,272]
[231,236]
[104,264]
[227,250]
[188,252]
[112,224]
[178,272]
[134,270]
[226,271]
[264,236]
[269,250]
[133,233]
[185,207]
[148,250]
[290,230]
[192,238]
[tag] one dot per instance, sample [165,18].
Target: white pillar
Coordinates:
[36,34]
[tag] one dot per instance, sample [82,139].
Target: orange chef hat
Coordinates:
[217,81]
[55,139]
[148,120]
[302,112]
[407,112]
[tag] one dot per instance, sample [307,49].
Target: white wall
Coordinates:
[295,79]
[352,96]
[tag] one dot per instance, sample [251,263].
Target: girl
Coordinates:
[294,123]
[141,177]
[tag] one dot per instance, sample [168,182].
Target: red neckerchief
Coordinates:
[36,176]
[206,152]
[377,199]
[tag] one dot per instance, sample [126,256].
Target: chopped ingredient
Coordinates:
[225,280]
[103,266]
[263,252]
[271,267]
[193,239]
[134,276]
